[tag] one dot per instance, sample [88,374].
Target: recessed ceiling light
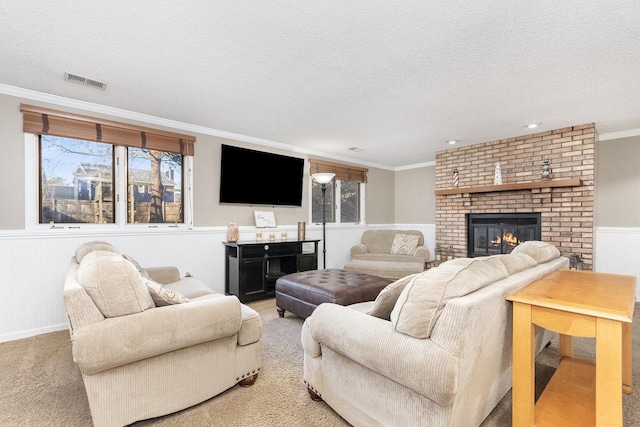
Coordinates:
[451,141]
[533,125]
[356,149]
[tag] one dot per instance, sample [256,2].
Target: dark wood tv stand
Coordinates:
[252,267]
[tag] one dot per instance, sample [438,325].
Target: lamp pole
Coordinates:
[323,179]
[323,187]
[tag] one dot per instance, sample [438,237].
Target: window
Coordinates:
[347,208]
[154,187]
[347,185]
[76,181]
[349,201]
[115,174]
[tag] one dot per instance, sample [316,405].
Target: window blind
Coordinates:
[343,172]
[44,121]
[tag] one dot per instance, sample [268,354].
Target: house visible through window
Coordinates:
[76,181]
[154,190]
[103,172]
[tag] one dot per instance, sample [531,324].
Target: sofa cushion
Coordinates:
[387,257]
[423,299]
[515,263]
[380,241]
[96,245]
[541,252]
[404,244]
[162,296]
[190,287]
[113,284]
[386,299]
[140,270]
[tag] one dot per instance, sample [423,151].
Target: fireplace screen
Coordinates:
[492,234]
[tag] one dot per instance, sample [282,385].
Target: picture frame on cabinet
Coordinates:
[264,219]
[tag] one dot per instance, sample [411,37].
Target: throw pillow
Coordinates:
[140,270]
[96,245]
[386,299]
[113,284]
[162,296]
[404,244]
[421,302]
[541,252]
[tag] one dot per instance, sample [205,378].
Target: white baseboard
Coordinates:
[33,332]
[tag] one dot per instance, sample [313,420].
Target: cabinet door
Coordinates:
[254,276]
[307,262]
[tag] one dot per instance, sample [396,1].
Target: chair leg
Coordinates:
[314,395]
[249,381]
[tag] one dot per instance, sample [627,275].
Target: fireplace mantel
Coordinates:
[573,182]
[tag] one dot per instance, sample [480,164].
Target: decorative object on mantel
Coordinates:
[575,263]
[497,176]
[301,230]
[546,171]
[438,252]
[233,234]
[455,177]
[553,183]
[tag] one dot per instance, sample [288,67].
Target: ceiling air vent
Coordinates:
[84,81]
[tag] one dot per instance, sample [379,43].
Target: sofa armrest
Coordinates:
[358,249]
[163,275]
[418,364]
[422,252]
[121,340]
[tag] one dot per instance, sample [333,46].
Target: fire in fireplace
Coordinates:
[492,234]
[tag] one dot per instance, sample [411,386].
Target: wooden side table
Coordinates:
[581,392]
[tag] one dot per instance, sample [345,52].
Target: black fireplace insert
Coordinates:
[493,234]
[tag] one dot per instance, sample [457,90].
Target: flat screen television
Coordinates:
[259,178]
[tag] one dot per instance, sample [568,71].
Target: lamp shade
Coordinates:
[323,178]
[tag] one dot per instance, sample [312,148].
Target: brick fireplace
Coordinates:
[565,203]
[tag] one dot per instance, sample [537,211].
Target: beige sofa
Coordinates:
[391,254]
[440,352]
[149,343]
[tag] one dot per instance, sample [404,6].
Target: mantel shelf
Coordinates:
[573,182]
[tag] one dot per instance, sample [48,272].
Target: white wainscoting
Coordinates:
[617,250]
[34,264]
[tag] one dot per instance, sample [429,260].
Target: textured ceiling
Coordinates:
[396,78]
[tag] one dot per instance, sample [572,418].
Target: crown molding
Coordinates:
[618,135]
[173,124]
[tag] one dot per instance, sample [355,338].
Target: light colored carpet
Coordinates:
[40,385]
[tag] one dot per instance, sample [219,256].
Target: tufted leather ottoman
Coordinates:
[300,293]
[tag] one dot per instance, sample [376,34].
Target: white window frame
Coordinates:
[32,196]
[337,208]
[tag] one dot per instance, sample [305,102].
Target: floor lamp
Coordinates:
[323,179]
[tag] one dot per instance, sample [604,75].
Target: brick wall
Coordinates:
[566,212]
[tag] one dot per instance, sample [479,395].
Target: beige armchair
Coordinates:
[147,349]
[391,254]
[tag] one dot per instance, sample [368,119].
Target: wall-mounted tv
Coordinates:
[259,178]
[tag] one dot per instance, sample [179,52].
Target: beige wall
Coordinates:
[208,212]
[415,197]
[12,183]
[380,198]
[403,197]
[618,183]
